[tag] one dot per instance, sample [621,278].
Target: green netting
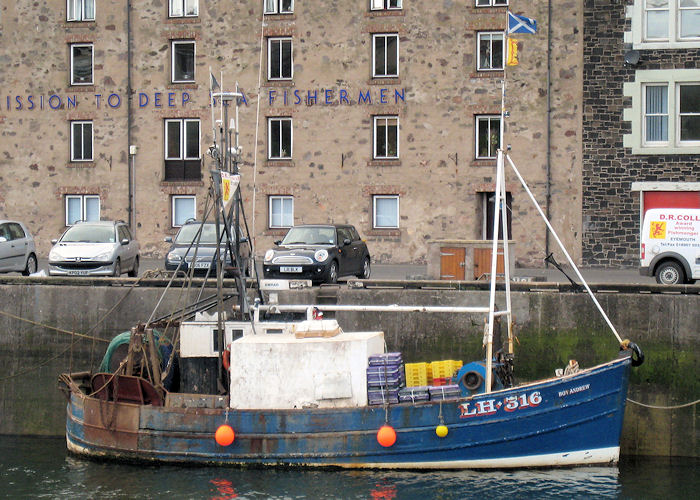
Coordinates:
[123,338]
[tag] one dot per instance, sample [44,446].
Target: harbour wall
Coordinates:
[47,329]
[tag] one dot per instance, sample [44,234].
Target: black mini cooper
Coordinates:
[318,252]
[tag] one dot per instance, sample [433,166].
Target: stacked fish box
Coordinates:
[447,392]
[385,378]
[414,394]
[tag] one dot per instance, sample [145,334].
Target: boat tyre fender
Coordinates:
[637,354]
[226,358]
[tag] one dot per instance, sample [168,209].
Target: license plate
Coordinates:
[78,273]
[202,265]
[290,269]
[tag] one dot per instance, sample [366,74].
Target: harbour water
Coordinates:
[42,468]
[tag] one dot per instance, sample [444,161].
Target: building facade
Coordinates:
[385,114]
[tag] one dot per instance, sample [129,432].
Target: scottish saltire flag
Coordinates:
[521,24]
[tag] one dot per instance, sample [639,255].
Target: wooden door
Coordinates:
[452,263]
[482,263]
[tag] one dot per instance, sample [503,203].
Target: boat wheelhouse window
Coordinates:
[488,209]
[182,64]
[385,55]
[488,136]
[81,141]
[490,51]
[182,153]
[279,59]
[491,3]
[82,207]
[689,113]
[279,138]
[281,210]
[81,64]
[386,137]
[184,208]
[279,6]
[184,8]
[80,10]
[385,211]
[656,114]
[385,4]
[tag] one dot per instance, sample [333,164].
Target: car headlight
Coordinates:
[321,255]
[104,256]
[174,257]
[54,255]
[269,254]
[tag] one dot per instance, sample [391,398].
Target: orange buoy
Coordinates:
[224,435]
[386,435]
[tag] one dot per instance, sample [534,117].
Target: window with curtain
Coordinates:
[184,208]
[281,211]
[82,207]
[385,211]
[656,113]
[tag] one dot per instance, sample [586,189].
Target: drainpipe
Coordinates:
[130,148]
[549,124]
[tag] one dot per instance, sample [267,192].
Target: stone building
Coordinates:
[641,115]
[380,113]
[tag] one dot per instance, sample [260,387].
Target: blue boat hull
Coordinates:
[564,421]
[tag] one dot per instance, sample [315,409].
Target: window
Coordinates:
[385,55]
[81,64]
[281,211]
[488,136]
[184,208]
[385,211]
[182,154]
[385,4]
[491,3]
[490,51]
[279,59]
[182,61]
[488,208]
[671,20]
[656,114]
[689,112]
[82,207]
[279,6]
[184,8]
[81,141]
[386,137]
[80,10]
[279,138]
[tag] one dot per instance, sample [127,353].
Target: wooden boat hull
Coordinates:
[571,420]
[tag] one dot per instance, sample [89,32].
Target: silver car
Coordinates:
[99,248]
[17,250]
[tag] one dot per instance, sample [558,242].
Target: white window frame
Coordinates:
[76,10]
[92,63]
[174,43]
[489,119]
[284,200]
[173,202]
[491,3]
[280,119]
[80,124]
[281,40]
[385,4]
[645,115]
[679,141]
[376,197]
[83,199]
[183,138]
[386,73]
[377,120]
[276,7]
[490,35]
[179,8]
[638,36]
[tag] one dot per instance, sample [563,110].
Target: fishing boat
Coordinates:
[286,385]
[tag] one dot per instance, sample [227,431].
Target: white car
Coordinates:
[17,250]
[99,248]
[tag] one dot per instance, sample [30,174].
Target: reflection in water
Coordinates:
[35,467]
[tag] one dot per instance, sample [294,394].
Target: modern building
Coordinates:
[385,114]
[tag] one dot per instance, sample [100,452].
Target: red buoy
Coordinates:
[224,435]
[386,435]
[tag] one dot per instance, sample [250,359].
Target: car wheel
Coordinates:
[366,270]
[670,273]
[332,273]
[31,266]
[135,270]
[117,269]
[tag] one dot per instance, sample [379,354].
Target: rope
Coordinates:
[664,407]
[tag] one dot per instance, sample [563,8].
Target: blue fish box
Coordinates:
[387,358]
[383,396]
[414,394]
[444,392]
